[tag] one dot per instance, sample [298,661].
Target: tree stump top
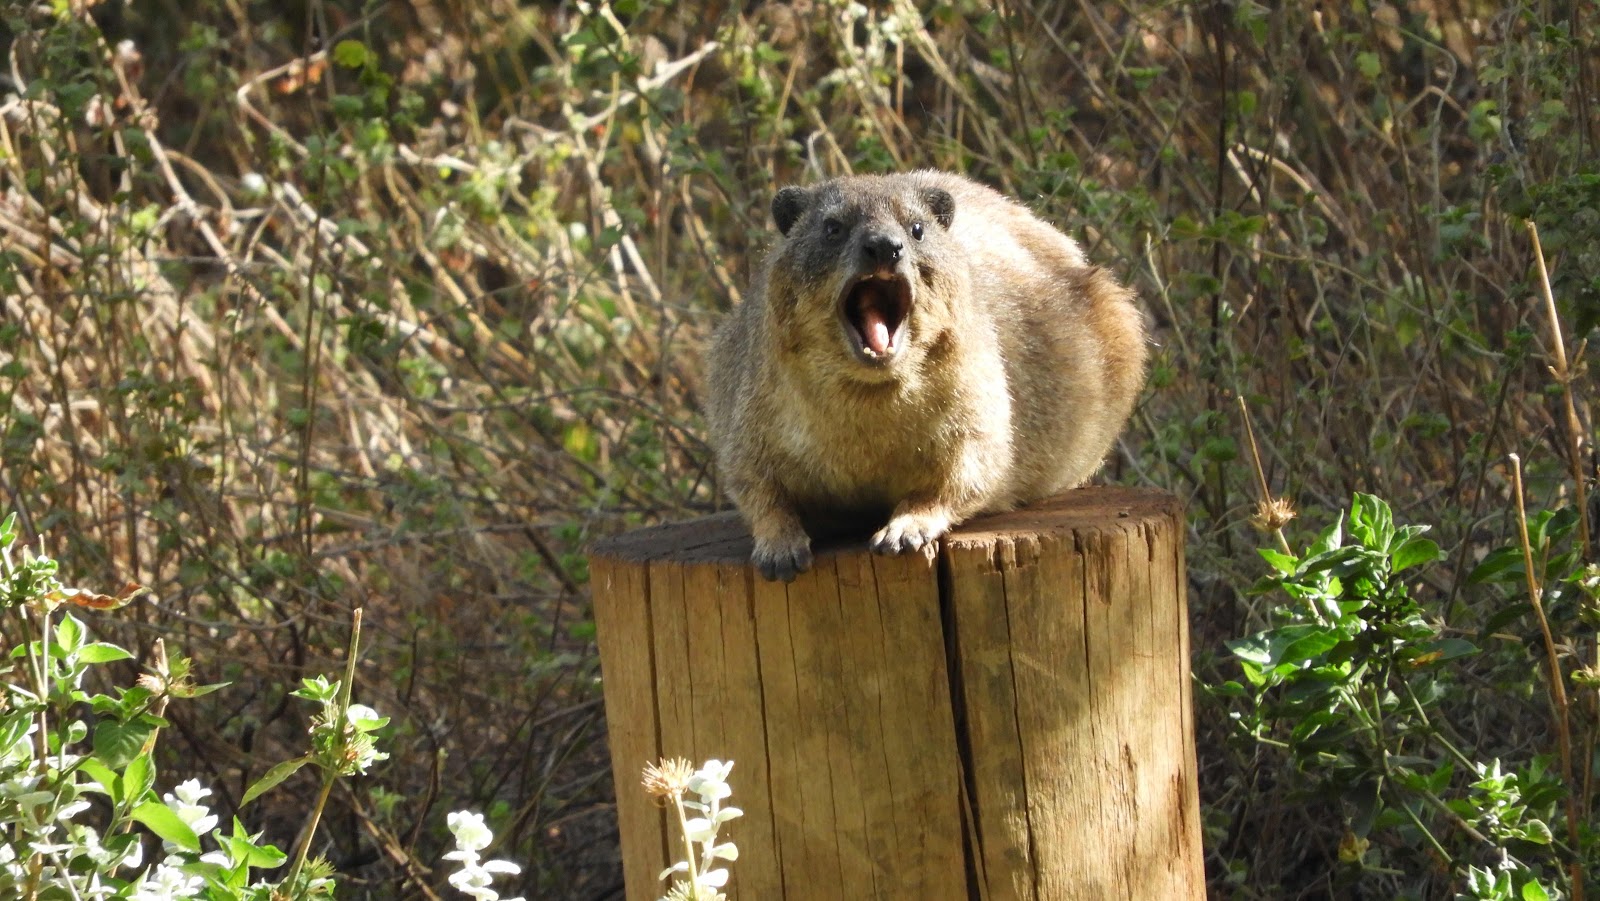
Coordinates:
[1005,716]
[722,538]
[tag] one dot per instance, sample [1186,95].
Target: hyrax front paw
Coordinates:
[781,561]
[910,532]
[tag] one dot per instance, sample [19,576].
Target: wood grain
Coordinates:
[1007,718]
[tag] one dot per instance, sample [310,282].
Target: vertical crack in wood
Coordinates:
[1006,553]
[972,847]
[1088,545]
[748,577]
[647,601]
[883,744]
[794,666]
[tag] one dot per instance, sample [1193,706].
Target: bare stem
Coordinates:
[1562,371]
[1558,690]
[1261,474]
[688,845]
[300,853]
[1563,376]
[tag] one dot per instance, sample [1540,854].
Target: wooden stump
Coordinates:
[1007,719]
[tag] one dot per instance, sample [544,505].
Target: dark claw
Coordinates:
[782,564]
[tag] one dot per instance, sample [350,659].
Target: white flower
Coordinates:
[185,802]
[468,828]
[361,713]
[475,878]
[134,858]
[165,883]
[711,782]
[190,792]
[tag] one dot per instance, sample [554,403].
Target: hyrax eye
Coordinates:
[916,230]
[832,227]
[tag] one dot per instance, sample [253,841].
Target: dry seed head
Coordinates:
[1272,514]
[668,778]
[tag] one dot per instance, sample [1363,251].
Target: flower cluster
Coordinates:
[476,875]
[670,780]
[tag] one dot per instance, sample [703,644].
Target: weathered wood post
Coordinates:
[1010,719]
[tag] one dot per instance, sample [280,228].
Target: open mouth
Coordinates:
[875,310]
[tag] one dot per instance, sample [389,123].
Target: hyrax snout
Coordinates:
[916,349]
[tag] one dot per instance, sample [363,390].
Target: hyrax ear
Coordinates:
[941,205]
[788,206]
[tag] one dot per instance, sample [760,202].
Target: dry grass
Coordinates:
[293,325]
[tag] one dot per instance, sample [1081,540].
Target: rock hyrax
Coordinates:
[915,350]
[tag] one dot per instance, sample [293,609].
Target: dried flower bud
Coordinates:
[668,778]
[1272,514]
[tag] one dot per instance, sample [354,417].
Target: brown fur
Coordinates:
[1018,365]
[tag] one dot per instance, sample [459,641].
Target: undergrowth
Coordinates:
[394,306]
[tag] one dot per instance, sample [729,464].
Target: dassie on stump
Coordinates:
[916,349]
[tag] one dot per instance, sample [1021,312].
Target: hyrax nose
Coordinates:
[882,250]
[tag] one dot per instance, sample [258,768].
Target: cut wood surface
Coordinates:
[1007,717]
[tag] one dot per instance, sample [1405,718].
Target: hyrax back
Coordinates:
[916,349]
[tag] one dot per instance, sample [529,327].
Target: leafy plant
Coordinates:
[79,808]
[1359,682]
[702,875]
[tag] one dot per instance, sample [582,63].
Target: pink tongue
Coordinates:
[874,330]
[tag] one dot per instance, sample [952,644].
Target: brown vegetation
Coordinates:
[312,306]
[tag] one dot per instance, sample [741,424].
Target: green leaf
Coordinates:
[1504,617]
[117,744]
[69,633]
[1253,672]
[1228,689]
[31,649]
[1290,644]
[316,688]
[1371,521]
[1281,562]
[138,778]
[160,819]
[1331,538]
[272,778]
[195,691]
[1447,649]
[102,776]
[243,849]
[1311,646]
[1500,565]
[1440,780]
[1414,552]
[13,729]
[1312,724]
[1533,891]
[351,54]
[1219,449]
[101,652]
[1368,65]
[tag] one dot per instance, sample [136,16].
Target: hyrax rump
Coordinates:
[916,349]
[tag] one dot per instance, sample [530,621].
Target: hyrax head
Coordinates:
[859,259]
